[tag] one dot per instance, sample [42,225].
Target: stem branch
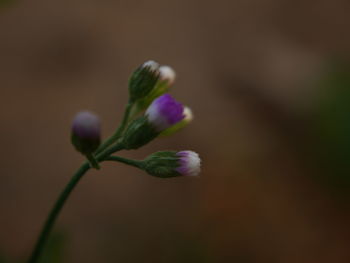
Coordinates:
[92,160]
[119,130]
[135,163]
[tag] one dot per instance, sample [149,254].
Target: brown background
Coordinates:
[254,200]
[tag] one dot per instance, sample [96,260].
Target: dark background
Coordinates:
[269,85]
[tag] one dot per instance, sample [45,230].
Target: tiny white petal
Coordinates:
[190,163]
[151,64]
[188,114]
[194,164]
[167,74]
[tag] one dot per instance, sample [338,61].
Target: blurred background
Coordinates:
[269,84]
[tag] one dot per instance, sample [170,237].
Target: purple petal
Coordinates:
[86,125]
[165,111]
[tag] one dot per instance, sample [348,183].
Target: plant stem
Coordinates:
[135,163]
[119,130]
[44,234]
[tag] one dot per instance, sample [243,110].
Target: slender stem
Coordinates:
[119,130]
[135,163]
[44,234]
[55,211]
[104,155]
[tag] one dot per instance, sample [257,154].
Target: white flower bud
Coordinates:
[167,74]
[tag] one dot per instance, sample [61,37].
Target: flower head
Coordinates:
[172,164]
[164,112]
[189,163]
[86,132]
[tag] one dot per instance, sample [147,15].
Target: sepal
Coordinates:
[162,164]
[138,133]
[85,145]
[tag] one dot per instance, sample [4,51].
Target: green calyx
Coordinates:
[142,82]
[85,145]
[162,164]
[138,133]
[160,88]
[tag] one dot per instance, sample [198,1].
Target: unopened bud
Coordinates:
[86,132]
[143,80]
[171,164]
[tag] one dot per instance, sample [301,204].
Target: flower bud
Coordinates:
[171,164]
[167,74]
[86,132]
[143,80]
[163,113]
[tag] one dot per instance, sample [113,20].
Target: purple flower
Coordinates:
[189,163]
[164,112]
[86,125]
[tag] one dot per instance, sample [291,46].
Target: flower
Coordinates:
[189,163]
[86,132]
[167,164]
[165,112]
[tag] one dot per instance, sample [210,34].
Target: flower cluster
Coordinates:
[150,112]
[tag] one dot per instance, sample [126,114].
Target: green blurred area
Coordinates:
[6,3]
[331,125]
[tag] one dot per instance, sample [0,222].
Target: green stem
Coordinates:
[119,130]
[44,234]
[135,163]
